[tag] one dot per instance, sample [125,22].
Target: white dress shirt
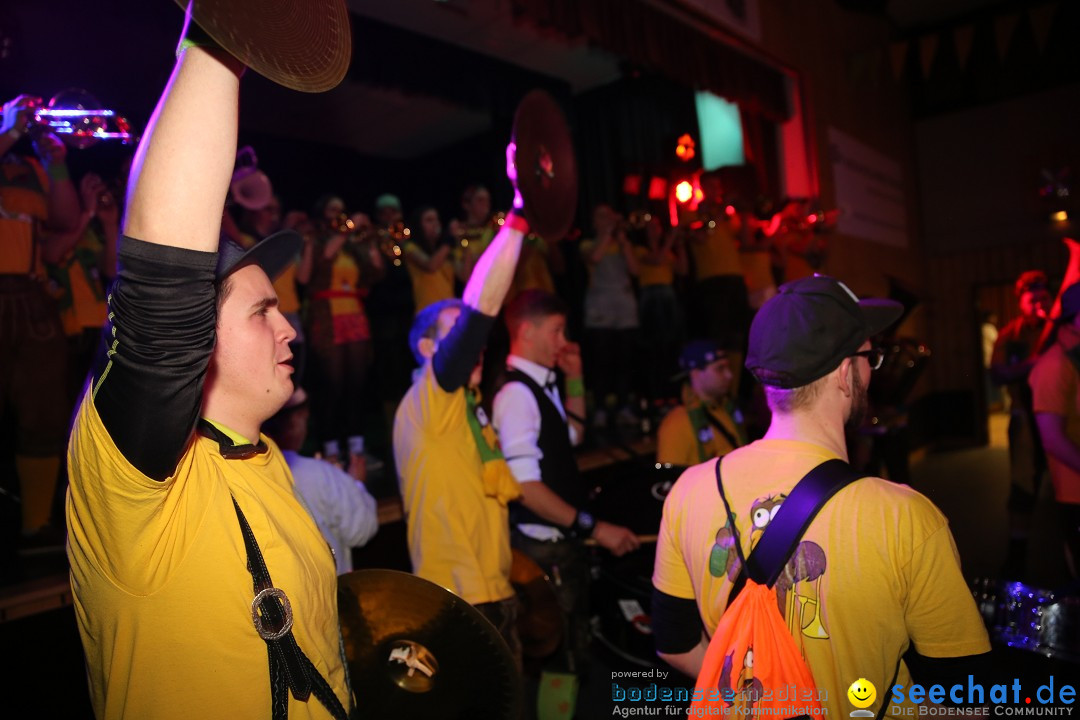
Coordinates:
[517,421]
[344,510]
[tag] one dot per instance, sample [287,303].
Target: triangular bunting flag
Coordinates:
[1003,30]
[1042,18]
[963,37]
[898,55]
[927,49]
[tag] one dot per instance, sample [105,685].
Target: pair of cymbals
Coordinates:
[305,45]
[416,650]
[546,168]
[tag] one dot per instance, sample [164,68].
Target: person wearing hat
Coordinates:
[193,562]
[877,571]
[707,424]
[37,198]
[454,481]
[1055,389]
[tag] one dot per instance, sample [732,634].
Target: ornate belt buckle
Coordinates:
[286,626]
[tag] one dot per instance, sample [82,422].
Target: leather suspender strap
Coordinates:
[290,668]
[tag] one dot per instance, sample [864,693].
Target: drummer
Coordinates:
[455,484]
[538,424]
[166,521]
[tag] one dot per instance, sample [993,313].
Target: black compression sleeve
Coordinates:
[676,623]
[951,671]
[148,379]
[460,350]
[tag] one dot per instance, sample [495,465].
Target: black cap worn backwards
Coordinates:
[273,254]
[809,327]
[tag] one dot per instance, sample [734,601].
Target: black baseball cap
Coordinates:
[273,254]
[698,354]
[806,330]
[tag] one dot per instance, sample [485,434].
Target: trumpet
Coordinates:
[344,225]
[473,234]
[391,241]
[80,120]
[638,220]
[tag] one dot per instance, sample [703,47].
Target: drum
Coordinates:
[629,493]
[1029,618]
[632,493]
[540,623]
[622,598]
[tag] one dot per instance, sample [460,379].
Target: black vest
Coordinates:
[558,467]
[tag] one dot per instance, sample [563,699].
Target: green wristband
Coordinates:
[575,387]
[195,36]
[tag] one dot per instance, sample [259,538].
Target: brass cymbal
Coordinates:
[546,167]
[540,621]
[304,45]
[416,650]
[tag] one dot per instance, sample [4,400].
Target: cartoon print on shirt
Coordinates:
[797,588]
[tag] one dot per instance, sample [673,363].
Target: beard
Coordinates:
[860,403]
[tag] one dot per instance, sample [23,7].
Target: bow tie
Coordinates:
[550,384]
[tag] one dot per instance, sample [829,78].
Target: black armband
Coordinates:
[676,623]
[459,351]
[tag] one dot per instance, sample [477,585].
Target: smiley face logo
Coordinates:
[862,693]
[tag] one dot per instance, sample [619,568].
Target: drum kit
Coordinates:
[1019,616]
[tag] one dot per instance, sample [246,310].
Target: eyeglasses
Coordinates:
[875,356]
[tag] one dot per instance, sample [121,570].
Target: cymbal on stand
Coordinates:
[546,167]
[304,45]
[416,650]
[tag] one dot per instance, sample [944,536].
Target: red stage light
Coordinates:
[632,184]
[730,210]
[685,149]
[657,188]
[684,191]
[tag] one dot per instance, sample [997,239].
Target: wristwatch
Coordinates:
[583,525]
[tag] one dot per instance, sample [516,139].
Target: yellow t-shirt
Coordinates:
[715,251]
[878,571]
[162,591]
[1055,390]
[81,297]
[344,275]
[532,272]
[677,444]
[23,196]
[757,270]
[654,274]
[458,537]
[429,287]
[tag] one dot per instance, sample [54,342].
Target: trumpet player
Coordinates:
[36,195]
[338,266]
